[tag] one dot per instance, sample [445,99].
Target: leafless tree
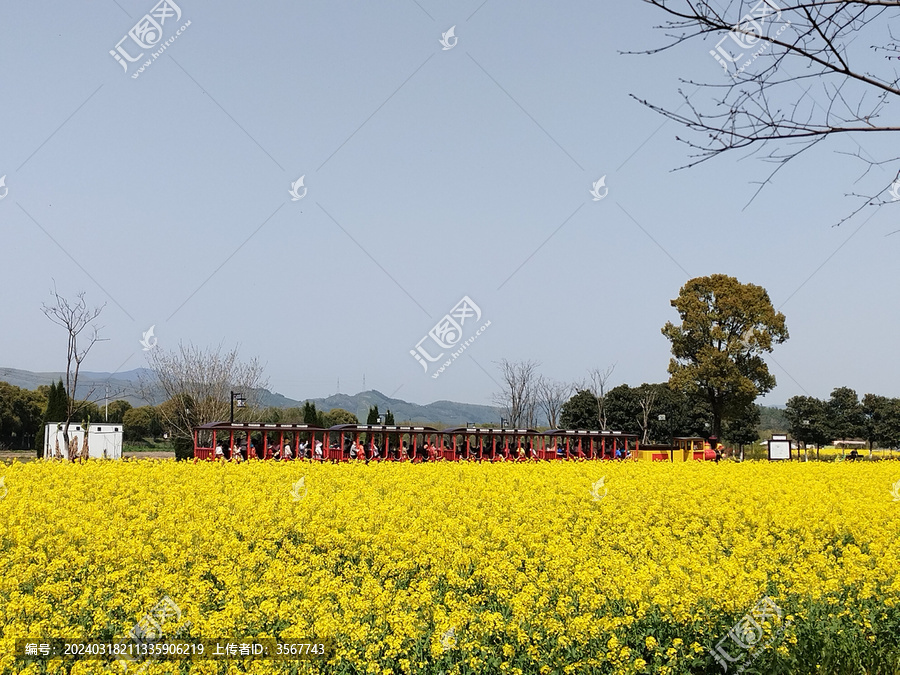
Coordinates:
[795,73]
[551,395]
[598,385]
[75,316]
[197,384]
[518,397]
[646,399]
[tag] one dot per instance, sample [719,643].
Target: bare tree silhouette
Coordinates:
[795,74]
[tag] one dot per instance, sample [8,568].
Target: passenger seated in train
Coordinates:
[358,452]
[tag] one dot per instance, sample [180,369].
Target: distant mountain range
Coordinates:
[126,386]
[123,386]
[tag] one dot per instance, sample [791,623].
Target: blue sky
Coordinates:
[430,174]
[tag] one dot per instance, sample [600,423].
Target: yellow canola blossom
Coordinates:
[459,568]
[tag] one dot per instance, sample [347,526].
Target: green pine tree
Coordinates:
[310,414]
[373,415]
[389,418]
[57,402]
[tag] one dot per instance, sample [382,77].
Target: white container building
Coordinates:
[104,439]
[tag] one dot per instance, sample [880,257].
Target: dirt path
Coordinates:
[149,455]
[7,457]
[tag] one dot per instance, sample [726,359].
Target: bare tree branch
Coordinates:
[518,396]
[75,317]
[198,384]
[795,73]
[598,385]
[646,398]
[552,395]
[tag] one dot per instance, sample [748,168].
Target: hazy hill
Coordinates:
[448,413]
[121,385]
[125,385]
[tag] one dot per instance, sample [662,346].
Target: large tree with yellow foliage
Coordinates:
[717,349]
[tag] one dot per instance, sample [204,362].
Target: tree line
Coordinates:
[656,413]
[25,412]
[874,419]
[716,374]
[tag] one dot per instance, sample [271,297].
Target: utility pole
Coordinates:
[239,397]
[107,402]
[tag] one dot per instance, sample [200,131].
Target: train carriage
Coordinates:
[694,447]
[380,442]
[372,442]
[248,440]
[582,444]
[254,440]
[486,444]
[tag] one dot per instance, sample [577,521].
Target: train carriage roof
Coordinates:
[486,430]
[256,426]
[381,427]
[586,432]
[532,432]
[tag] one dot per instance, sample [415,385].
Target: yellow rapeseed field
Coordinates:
[462,568]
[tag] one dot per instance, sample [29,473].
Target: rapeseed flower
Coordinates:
[531,574]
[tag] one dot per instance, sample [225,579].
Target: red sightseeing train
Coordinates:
[344,442]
